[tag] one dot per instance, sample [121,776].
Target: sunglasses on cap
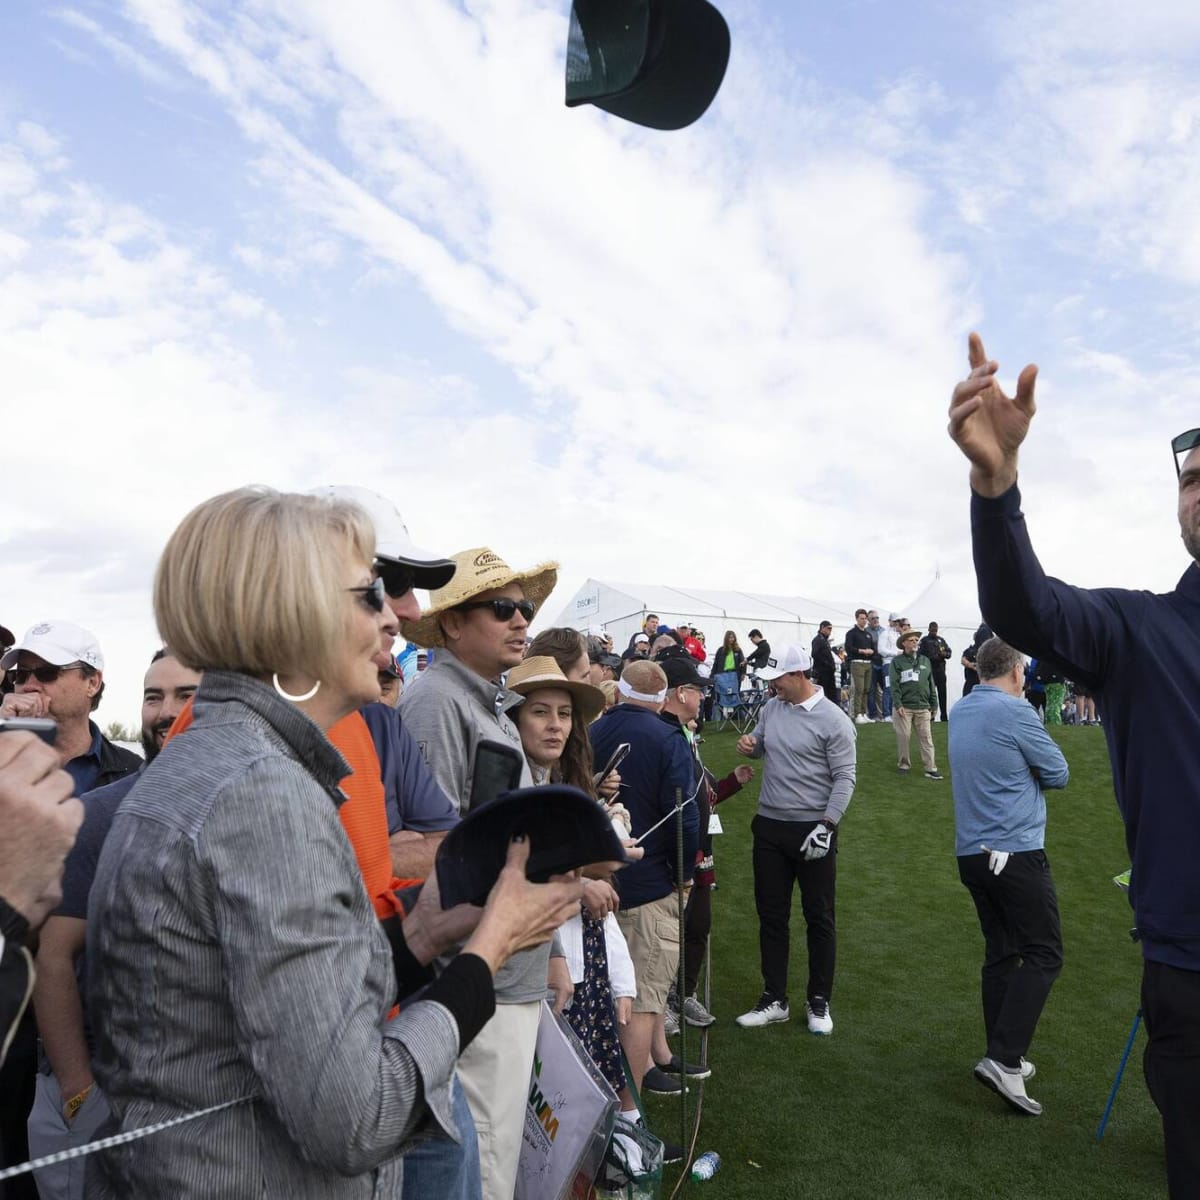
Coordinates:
[1182,444]
[398,578]
[372,595]
[41,674]
[503,609]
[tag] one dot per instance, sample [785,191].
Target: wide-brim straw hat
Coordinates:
[909,635]
[479,570]
[541,671]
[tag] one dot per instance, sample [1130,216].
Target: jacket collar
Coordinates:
[299,733]
[495,697]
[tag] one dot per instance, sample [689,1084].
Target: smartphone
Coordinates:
[617,758]
[497,769]
[45,728]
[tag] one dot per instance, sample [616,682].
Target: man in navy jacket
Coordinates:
[657,771]
[1139,654]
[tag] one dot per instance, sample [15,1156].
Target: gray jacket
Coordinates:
[449,713]
[235,952]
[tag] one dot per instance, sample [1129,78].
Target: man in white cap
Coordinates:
[58,670]
[478,622]
[807,745]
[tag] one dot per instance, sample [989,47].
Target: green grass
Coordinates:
[887,1106]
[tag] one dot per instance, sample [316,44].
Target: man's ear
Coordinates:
[94,684]
[451,624]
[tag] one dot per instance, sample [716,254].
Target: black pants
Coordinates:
[1018,913]
[778,865]
[825,681]
[697,923]
[1171,1008]
[939,682]
[17,1082]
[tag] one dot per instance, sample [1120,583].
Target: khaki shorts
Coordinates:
[652,933]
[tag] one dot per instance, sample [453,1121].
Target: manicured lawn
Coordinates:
[887,1106]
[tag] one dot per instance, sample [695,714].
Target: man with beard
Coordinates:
[1138,653]
[68,1107]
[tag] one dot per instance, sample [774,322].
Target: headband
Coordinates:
[626,690]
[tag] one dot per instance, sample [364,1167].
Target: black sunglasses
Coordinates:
[41,674]
[372,595]
[398,578]
[502,609]
[1182,444]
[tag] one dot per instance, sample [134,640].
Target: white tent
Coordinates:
[621,608]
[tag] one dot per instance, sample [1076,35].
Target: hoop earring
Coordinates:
[316,687]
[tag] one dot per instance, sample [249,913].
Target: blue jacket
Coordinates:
[1139,654]
[659,763]
[1001,760]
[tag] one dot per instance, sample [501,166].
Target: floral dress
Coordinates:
[592,1014]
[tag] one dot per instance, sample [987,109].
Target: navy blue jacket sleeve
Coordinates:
[1075,628]
[681,775]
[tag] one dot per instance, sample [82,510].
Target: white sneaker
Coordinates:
[670,1023]
[820,1021]
[767,1011]
[862,719]
[1008,1083]
[1028,1070]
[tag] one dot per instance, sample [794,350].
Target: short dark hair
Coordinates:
[825,624]
[755,633]
[995,658]
[859,612]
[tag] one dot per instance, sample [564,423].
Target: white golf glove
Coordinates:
[817,844]
[997,860]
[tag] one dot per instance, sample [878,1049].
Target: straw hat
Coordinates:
[907,636]
[541,671]
[478,570]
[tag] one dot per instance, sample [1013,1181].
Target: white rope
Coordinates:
[117,1139]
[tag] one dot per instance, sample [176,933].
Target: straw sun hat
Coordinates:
[478,570]
[541,671]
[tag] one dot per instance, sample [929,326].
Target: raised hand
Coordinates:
[987,425]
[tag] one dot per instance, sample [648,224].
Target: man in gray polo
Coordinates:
[809,768]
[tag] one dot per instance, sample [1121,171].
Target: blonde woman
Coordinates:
[233,952]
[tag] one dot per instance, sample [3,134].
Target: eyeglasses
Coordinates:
[1182,444]
[398,578]
[503,609]
[41,674]
[372,595]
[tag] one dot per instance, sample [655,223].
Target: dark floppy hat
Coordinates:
[658,63]
[566,829]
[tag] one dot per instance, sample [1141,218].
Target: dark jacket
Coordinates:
[16,973]
[859,639]
[116,762]
[757,659]
[659,764]
[718,661]
[824,666]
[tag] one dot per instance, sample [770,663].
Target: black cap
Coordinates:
[658,64]
[680,670]
[6,638]
[566,829]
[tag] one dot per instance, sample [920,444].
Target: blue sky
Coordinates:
[297,243]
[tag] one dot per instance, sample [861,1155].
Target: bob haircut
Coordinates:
[253,580]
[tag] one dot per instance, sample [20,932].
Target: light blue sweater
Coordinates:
[1001,760]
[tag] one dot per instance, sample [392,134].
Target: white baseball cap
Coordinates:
[392,541]
[58,643]
[792,657]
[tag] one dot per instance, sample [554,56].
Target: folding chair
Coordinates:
[727,698]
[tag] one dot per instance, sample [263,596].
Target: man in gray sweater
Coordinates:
[809,763]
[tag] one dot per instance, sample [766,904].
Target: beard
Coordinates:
[1191,539]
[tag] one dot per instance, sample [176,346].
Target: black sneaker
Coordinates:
[934,775]
[658,1083]
[672,1153]
[691,1070]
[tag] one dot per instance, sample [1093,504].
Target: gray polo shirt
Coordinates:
[449,715]
[809,757]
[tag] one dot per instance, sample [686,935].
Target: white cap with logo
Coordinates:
[58,643]
[391,534]
[789,658]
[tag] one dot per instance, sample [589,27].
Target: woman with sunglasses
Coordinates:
[235,961]
[553,722]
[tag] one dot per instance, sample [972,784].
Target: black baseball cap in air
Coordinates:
[657,63]
[566,829]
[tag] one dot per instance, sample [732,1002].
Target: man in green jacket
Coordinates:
[914,700]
